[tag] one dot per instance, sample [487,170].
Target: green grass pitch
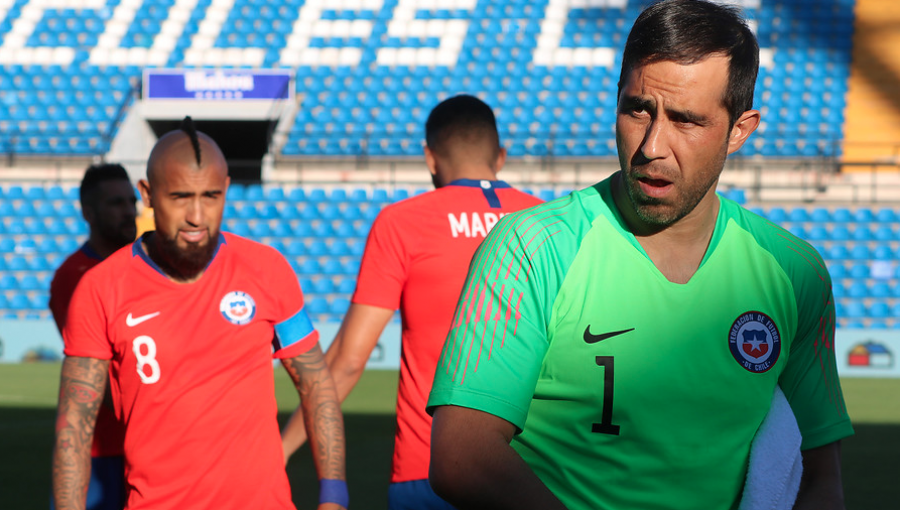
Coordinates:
[28,396]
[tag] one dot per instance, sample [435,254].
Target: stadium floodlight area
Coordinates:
[367,72]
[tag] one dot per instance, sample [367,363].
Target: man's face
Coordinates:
[187,207]
[112,212]
[672,134]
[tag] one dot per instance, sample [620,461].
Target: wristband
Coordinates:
[333,491]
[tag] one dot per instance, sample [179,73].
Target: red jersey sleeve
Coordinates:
[294,331]
[61,289]
[382,273]
[85,331]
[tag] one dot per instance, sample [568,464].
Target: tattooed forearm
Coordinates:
[321,411]
[81,389]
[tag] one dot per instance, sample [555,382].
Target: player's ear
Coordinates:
[87,212]
[430,161]
[501,160]
[743,127]
[144,188]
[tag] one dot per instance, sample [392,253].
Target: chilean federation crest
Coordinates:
[755,342]
[237,307]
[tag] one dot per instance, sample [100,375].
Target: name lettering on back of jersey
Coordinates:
[238,307]
[755,342]
[134,321]
[473,224]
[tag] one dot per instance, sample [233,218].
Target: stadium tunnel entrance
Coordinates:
[244,143]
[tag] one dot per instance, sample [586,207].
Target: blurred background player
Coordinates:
[415,260]
[108,206]
[647,320]
[186,320]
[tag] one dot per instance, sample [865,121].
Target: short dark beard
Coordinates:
[182,265]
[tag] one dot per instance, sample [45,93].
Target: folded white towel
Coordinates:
[773,477]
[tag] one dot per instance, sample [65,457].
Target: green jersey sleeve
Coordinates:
[498,338]
[810,379]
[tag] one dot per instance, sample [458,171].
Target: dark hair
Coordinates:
[187,125]
[94,175]
[461,117]
[688,31]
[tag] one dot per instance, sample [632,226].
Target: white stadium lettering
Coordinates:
[404,24]
[13,49]
[309,24]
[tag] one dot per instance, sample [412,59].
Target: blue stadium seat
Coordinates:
[820,215]
[19,302]
[838,252]
[339,306]
[858,290]
[347,286]
[886,216]
[855,310]
[332,267]
[317,248]
[776,215]
[859,271]
[310,267]
[324,286]
[880,310]
[840,233]
[841,215]
[316,306]
[798,215]
[837,271]
[860,252]
[880,290]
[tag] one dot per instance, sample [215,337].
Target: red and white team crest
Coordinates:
[237,307]
[755,342]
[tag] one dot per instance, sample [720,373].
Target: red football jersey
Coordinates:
[108,433]
[416,259]
[192,372]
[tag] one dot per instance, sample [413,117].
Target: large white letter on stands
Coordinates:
[452,33]
[201,52]
[108,51]
[309,24]
[13,49]
[548,52]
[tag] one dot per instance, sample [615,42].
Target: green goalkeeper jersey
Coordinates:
[627,390]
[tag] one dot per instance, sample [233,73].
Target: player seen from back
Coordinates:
[641,328]
[415,260]
[108,206]
[185,320]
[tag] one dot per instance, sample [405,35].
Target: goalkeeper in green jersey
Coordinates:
[618,348]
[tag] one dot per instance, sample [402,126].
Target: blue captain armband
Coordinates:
[292,330]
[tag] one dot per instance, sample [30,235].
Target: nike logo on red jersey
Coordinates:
[134,321]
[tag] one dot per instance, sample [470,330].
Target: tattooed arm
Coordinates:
[81,389]
[346,358]
[321,414]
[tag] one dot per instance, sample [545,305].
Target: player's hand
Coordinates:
[331,506]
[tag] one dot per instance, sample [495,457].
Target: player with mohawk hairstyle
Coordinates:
[186,321]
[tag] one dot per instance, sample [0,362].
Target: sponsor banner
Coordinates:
[38,340]
[867,352]
[218,84]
